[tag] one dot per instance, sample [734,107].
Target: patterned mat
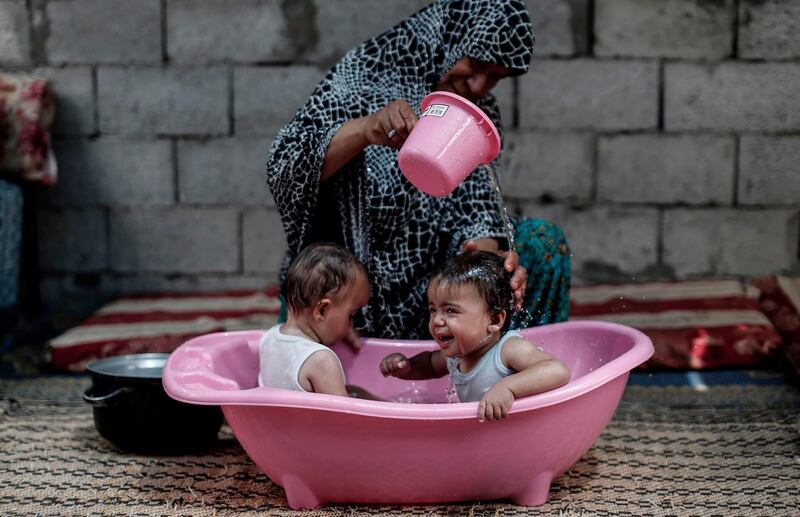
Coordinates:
[721,449]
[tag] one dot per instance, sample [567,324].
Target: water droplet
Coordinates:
[451,391]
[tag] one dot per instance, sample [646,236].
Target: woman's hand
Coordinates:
[388,126]
[495,404]
[391,125]
[395,365]
[520,277]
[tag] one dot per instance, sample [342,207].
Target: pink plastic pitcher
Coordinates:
[451,138]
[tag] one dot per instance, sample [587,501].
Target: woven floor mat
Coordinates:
[733,450]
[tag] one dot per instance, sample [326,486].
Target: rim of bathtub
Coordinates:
[230,393]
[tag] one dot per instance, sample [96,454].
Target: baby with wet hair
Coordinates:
[470,304]
[325,287]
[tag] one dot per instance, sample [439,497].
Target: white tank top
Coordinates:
[471,386]
[281,356]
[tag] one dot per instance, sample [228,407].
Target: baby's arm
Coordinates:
[424,365]
[323,373]
[537,371]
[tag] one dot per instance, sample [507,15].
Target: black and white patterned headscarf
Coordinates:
[398,232]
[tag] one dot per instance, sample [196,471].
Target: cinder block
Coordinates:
[83,294]
[175,240]
[224,171]
[174,101]
[113,172]
[769,29]
[265,99]
[74,99]
[15,39]
[72,240]
[556,165]
[692,169]
[264,241]
[344,24]
[78,294]
[155,283]
[104,31]
[560,26]
[732,96]
[664,28]
[589,94]
[769,170]
[624,239]
[730,242]
[209,31]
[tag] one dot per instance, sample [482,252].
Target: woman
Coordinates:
[334,177]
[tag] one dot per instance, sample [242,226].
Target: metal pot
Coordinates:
[132,410]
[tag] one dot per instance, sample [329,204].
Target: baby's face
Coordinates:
[472,79]
[339,319]
[459,320]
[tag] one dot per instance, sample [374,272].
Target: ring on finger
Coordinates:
[391,133]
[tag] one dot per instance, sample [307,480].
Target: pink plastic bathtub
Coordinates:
[329,449]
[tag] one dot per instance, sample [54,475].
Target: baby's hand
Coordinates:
[495,404]
[395,365]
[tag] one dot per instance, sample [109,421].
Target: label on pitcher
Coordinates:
[435,110]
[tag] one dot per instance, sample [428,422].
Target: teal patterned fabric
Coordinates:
[544,253]
[10,241]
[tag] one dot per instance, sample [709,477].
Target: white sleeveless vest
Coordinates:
[281,356]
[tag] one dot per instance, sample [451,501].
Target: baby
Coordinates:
[325,287]
[469,300]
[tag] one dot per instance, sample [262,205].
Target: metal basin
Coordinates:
[132,410]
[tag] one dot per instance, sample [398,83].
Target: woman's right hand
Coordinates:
[395,365]
[391,125]
[388,126]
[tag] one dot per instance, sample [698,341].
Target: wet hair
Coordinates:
[484,271]
[320,270]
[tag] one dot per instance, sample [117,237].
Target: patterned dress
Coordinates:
[399,233]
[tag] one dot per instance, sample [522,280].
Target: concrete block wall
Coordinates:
[662,135]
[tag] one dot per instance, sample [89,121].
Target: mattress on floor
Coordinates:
[693,325]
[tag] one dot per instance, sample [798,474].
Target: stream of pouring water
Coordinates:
[522,317]
[503,210]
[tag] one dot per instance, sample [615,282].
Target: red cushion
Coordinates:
[780,301]
[160,323]
[703,324]
[692,324]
